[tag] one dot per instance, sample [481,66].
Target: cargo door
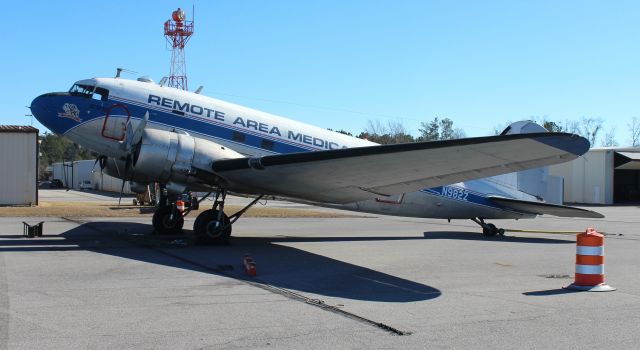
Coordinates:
[115,122]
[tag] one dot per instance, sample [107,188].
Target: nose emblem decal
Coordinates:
[71,111]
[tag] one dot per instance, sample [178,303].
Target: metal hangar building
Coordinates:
[19,170]
[602,176]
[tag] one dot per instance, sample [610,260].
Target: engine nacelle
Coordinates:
[178,160]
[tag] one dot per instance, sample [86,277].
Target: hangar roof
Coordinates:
[627,160]
[18,128]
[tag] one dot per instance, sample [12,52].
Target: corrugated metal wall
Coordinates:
[588,179]
[81,170]
[104,182]
[18,156]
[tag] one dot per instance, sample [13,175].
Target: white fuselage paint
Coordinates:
[457,201]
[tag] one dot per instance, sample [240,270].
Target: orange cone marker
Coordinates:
[249,265]
[590,263]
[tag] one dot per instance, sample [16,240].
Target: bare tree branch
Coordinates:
[609,139]
[589,128]
[634,130]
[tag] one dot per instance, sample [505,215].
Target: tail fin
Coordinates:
[536,182]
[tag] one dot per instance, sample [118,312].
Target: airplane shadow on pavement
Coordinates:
[278,265]
[474,236]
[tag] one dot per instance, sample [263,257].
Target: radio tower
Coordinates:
[177,31]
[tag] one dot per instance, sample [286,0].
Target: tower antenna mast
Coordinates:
[178,31]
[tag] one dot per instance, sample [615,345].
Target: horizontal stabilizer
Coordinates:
[546,208]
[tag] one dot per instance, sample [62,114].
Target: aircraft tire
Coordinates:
[490,231]
[205,230]
[163,226]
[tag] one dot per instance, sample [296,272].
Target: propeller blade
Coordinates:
[94,164]
[137,133]
[102,160]
[121,191]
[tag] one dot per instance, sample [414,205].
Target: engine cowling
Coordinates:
[178,160]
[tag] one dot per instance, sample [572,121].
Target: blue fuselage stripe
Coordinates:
[462,195]
[218,130]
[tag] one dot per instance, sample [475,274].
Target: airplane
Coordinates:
[148,133]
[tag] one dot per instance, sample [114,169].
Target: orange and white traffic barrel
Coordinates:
[249,265]
[180,205]
[590,263]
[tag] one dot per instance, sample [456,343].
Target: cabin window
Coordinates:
[81,90]
[238,136]
[101,94]
[267,144]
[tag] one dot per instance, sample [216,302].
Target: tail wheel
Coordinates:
[209,231]
[166,224]
[491,230]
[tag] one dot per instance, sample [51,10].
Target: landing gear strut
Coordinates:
[213,226]
[488,230]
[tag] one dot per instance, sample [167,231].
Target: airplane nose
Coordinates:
[42,108]
[38,108]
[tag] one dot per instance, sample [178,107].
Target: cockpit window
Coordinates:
[81,90]
[101,94]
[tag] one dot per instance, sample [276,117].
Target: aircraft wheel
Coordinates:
[163,224]
[490,231]
[501,231]
[206,230]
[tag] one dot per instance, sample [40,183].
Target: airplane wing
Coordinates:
[354,174]
[546,208]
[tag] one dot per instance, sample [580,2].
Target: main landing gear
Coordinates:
[167,219]
[488,230]
[211,226]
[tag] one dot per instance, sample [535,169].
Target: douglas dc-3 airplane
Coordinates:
[146,132]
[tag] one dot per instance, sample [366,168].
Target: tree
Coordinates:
[571,126]
[609,139]
[548,124]
[393,132]
[439,130]
[552,126]
[341,131]
[55,148]
[589,128]
[634,130]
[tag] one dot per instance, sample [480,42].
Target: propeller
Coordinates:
[130,145]
[102,160]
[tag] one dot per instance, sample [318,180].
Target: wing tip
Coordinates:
[570,143]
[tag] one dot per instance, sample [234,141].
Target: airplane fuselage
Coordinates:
[97,111]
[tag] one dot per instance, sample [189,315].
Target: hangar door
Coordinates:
[626,177]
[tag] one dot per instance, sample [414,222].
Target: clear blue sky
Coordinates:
[339,64]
